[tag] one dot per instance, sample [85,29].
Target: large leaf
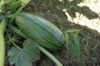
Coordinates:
[25,56]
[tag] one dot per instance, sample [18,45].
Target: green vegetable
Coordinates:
[2,42]
[40,30]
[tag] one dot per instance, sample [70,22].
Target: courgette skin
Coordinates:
[40,30]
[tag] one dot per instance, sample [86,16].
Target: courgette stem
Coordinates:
[50,56]
[16,46]
[1,5]
[20,9]
[2,42]
[2,49]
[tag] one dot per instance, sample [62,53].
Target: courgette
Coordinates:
[40,30]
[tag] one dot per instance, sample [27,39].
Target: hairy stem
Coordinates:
[2,42]
[24,3]
[50,56]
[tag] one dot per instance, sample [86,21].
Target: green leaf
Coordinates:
[76,41]
[74,30]
[77,47]
[74,49]
[69,2]
[25,56]
[67,39]
[14,6]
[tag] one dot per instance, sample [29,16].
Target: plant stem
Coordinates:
[2,49]
[2,42]
[16,46]
[50,56]
[20,9]
[1,5]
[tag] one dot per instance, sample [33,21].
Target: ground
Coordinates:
[53,10]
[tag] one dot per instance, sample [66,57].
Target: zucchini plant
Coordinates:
[39,33]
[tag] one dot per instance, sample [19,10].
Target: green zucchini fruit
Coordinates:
[40,30]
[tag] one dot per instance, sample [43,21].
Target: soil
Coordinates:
[89,39]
